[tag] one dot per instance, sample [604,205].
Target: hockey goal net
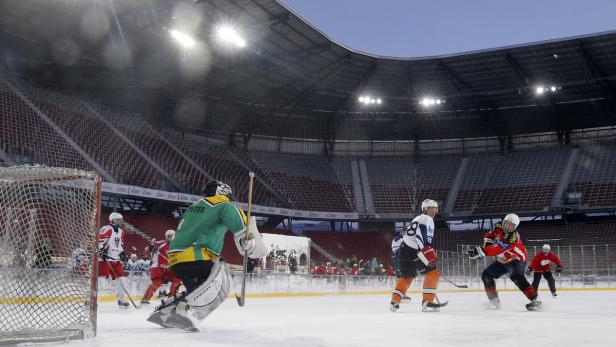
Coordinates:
[48,241]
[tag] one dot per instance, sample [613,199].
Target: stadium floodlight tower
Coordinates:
[369,100]
[429,102]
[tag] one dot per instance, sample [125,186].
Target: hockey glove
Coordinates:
[123,256]
[528,271]
[102,254]
[153,249]
[427,255]
[559,269]
[475,252]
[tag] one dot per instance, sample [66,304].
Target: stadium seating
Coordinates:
[595,175]
[308,181]
[26,138]
[220,164]
[521,181]
[518,181]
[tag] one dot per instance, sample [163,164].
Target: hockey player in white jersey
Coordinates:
[111,254]
[417,256]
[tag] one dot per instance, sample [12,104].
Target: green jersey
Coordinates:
[205,223]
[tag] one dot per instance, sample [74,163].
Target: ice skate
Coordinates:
[122,304]
[534,305]
[393,306]
[493,304]
[405,300]
[431,306]
[554,295]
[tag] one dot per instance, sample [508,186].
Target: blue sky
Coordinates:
[410,28]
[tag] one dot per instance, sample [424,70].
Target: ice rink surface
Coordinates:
[575,318]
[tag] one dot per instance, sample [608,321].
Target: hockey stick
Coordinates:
[242,298]
[455,285]
[122,284]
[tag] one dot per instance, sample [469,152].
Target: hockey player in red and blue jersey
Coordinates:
[505,244]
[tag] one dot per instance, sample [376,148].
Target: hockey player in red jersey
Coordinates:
[158,270]
[541,265]
[505,244]
[111,254]
[417,256]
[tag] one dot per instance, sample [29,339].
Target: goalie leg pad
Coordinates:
[209,295]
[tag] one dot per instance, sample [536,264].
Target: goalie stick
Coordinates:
[242,298]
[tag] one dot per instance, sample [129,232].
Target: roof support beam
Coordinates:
[606,88]
[306,92]
[360,84]
[464,88]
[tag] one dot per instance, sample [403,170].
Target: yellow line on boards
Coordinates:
[110,298]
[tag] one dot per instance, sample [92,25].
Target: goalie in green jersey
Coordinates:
[194,256]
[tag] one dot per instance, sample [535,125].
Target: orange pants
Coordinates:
[429,286]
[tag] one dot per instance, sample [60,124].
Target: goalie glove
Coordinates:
[253,247]
[559,269]
[427,255]
[475,252]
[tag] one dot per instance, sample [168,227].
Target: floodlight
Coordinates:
[540,90]
[553,88]
[379,101]
[182,38]
[229,35]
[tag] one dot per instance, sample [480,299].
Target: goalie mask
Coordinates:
[214,188]
[116,219]
[169,235]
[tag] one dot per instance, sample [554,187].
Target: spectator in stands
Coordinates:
[380,270]
[329,269]
[366,270]
[292,264]
[374,264]
[354,270]
[390,271]
[321,270]
[251,264]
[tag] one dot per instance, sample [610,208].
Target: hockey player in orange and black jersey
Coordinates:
[505,244]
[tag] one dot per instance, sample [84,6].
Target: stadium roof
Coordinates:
[291,80]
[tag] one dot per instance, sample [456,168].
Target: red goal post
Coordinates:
[49,221]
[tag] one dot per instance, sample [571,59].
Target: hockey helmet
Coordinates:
[214,188]
[116,219]
[426,204]
[546,248]
[510,222]
[170,234]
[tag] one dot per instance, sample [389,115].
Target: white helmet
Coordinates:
[513,219]
[116,219]
[170,233]
[546,247]
[428,203]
